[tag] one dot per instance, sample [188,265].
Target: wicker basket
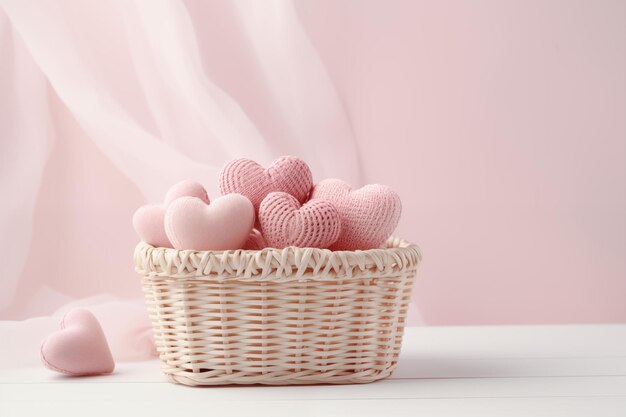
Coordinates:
[278,316]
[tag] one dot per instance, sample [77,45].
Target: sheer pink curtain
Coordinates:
[127,80]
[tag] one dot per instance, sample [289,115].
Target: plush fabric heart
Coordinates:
[148,220]
[79,347]
[369,215]
[224,224]
[186,188]
[316,224]
[288,174]
[148,223]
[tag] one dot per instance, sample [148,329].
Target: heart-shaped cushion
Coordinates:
[369,215]
[148,220]
[224,224]
[288,174]
[316,224]
[79,347]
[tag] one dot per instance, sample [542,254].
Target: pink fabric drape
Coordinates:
[130,77]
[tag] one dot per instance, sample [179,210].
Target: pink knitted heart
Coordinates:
[148,220]
[224,224]
[79,348]
[288,174]
[316,224]
[369,215]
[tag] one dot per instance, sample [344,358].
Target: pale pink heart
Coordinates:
[224,224]
[369,215]
[148,220]
[316,224]
[79,347]
[186,188]
[288,174]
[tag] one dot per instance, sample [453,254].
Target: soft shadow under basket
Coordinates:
[278,316]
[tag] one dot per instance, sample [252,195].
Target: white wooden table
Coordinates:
[575,370]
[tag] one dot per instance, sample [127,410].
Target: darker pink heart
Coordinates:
[369,215]
[315,224]
[79,348]
[287,174]
[255,241]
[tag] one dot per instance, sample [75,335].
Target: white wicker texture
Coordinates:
[278,316]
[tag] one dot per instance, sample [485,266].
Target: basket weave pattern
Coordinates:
[278,316]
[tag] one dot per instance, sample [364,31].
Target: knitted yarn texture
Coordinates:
[288,174]
[369,215]
[316,224]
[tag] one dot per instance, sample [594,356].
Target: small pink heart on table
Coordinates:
[148,220]
[316,224]
[288,174]
[369,215]
[224,224]
[79,348]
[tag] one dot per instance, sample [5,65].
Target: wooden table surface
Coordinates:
[571,370]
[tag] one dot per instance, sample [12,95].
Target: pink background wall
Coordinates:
[500,123]
[503,124]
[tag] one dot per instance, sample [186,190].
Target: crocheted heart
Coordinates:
[288,174]
[79,347]
[316,224]
[148,220]
[369,215]
[224,224]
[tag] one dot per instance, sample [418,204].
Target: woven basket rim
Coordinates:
[271,264]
